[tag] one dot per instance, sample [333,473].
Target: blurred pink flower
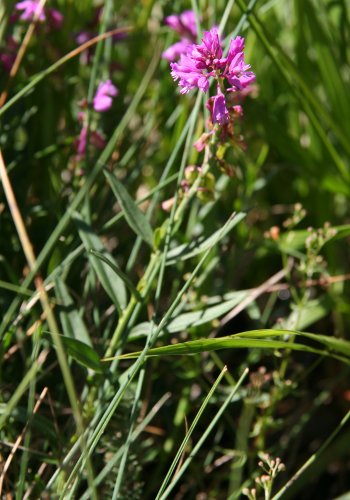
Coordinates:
[55,18]
[30,9]
[185,25]
[174,51]
[103,98]
[203,141]
[96,139]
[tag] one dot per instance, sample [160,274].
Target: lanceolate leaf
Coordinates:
[80,352]
[133,215]
[262,339]
[111,283]
[72,324]
[119,272]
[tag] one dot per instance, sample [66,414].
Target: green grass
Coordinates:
[174,349]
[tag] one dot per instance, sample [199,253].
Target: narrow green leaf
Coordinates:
[339,349]
[79,351]
[133,215]
[72,324]
[199,245]
[182,447]
[111,283]
[119,272]
[339,346]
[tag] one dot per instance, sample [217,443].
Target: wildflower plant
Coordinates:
[205,63]
[163,306]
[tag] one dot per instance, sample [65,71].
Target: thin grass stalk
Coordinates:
[20,439]
[30,409]
[162,180]
[92,85]
[182,447]
[204,436]
[22,387]
[136,433]
[133,416]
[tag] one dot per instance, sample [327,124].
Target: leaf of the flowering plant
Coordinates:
[133,215]
[111,283]
[193,318]
[119,272]
[72,324]
[79,351]
[199,245]
[261,339]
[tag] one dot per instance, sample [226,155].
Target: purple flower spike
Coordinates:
[103,98]
[204,62]
[30,9]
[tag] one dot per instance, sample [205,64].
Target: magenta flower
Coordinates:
[209,53]
[189,75]
[218,109]
[237,72]
[103,98]
[30,9]
[83,37]
[195,68]
[205,60]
